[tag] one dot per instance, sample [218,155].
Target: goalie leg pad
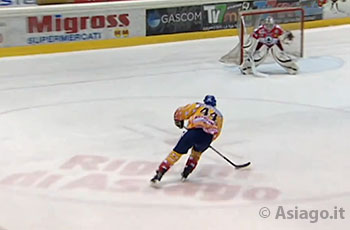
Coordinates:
[234,57]
[260,55]
[252,61]
[246,67]
[285,61]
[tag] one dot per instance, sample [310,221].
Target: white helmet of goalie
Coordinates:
[269,23]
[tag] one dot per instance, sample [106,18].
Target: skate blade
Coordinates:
[154,184]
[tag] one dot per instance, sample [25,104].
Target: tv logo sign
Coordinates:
[7,3]
[224,12]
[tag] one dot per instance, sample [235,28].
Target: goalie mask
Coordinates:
[269,23]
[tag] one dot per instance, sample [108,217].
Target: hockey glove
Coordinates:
[179,124]
[290,36]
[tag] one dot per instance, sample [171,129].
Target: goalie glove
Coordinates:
[290,36]
[179,124]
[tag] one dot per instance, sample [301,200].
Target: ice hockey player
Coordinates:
[204,126]
[268,36]
[334,5]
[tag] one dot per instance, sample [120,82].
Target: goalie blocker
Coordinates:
[268,37]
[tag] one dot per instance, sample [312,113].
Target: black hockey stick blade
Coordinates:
[228,160]
[242,165]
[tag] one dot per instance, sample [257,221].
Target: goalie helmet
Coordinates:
[210,100]
[269,23]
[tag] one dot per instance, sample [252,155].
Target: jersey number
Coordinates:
[212,116]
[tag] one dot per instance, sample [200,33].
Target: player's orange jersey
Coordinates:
[203,116]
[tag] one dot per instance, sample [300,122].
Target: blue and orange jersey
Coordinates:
[203,116]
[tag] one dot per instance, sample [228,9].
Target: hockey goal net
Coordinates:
[290,19]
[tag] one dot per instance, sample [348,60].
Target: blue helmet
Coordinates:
[210,100]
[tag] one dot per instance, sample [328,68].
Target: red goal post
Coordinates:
[289,18]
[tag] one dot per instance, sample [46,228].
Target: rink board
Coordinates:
[102,27]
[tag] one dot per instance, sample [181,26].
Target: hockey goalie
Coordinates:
[267,38]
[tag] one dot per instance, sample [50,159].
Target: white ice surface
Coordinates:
[88,129]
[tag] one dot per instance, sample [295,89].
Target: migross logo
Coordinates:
[57,23]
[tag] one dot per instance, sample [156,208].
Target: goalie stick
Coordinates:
[255,72]
[233,164]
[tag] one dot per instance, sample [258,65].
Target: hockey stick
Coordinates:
[228,160]
[233,164]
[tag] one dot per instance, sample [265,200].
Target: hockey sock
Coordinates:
[169,161]
[192,162]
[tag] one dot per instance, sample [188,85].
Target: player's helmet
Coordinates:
[269,23]
[210,100]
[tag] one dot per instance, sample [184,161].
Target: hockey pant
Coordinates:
[283,59]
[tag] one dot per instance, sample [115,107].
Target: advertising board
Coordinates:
[312,9]
[173,20]
[49,2]
[72,27]
[12,3]
[223,15]
[2,33]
